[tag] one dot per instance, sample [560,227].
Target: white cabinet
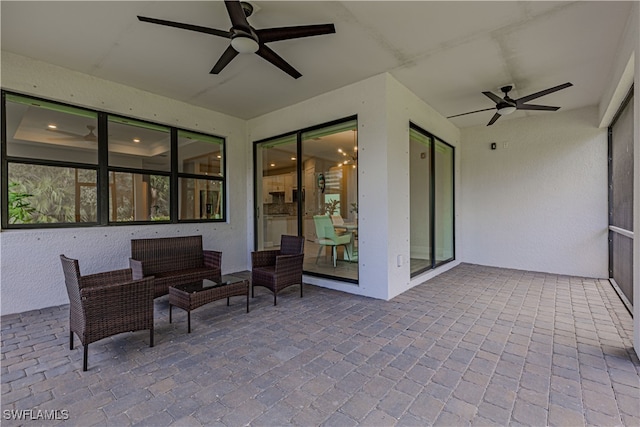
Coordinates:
[288,188]
[277,183]
[266,190]
[282,184]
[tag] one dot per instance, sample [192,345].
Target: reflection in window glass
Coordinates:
[138,197]
[38,129]
[49,194]
[200,154]
[200,199]
[139,145]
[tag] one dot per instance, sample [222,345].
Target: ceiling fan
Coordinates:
[506,105]
[72,136]
[246,39]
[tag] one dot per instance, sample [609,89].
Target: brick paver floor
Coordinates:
[473,346]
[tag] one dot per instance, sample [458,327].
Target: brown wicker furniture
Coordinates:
[193,295]
[173,261]
[280,268]
[106,304]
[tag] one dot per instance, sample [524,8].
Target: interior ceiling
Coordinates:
[446,53]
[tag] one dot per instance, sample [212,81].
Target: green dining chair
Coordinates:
[327,237]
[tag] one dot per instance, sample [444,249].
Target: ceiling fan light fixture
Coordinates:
[244,44]
[506,110]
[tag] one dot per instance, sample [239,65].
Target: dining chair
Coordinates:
[327,236]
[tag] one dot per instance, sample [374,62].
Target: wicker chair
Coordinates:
[106,304]
[278,269]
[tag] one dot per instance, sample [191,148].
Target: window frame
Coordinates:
[103,171]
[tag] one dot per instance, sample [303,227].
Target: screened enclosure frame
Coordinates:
[621,236]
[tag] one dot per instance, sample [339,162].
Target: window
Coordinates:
[41,194]
[55,157]
[201,176]
[141,152]
[52,175]
[431,170]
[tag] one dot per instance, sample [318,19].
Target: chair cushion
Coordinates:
[264,275]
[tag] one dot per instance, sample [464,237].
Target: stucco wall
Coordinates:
[403,108]
[30,271]
[384,108]
[366,99]
[539,201]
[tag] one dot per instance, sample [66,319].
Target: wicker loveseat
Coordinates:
[173,261]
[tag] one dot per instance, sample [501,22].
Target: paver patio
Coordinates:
[474,346]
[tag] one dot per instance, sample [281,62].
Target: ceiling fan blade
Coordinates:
[495,117]
[471,112]
[533,96]
[224,60]
[537,107]
[286,33]
[495,98]
[189,27]
[63,132]
[276,60]
[237,16]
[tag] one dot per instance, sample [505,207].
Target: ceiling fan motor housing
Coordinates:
[247,8]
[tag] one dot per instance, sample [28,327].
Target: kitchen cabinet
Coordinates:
[288,187]
[282,184]
[266,190]
[277,183]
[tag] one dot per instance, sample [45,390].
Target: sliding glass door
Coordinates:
[431,172]
[306,183]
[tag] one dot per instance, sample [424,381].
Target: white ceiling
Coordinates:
[446,53]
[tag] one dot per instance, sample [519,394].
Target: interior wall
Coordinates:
[539,201]
[30,270]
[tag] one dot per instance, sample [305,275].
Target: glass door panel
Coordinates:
[420,204]
[276,191]
[329,164]
[443,202]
